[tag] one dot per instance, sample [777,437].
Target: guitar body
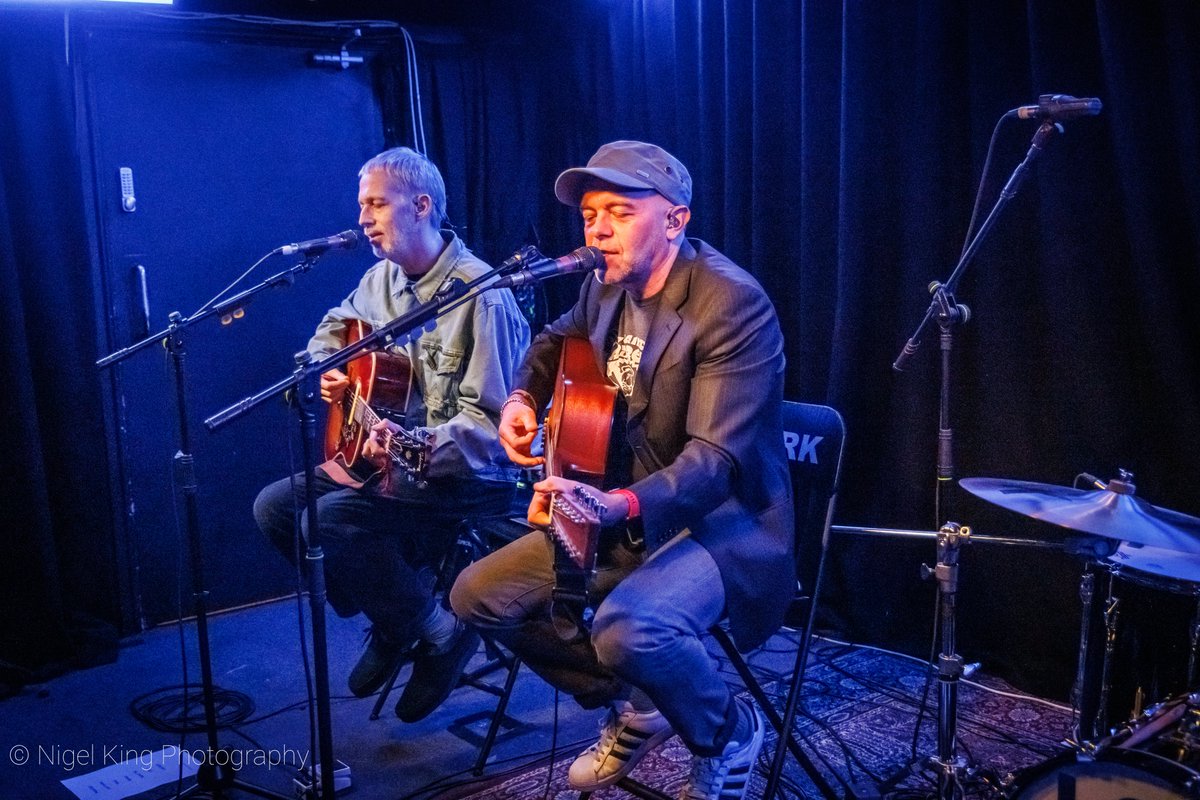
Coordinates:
[579,424]
[578,433]
[379,381]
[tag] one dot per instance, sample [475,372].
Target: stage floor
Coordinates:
[860,714]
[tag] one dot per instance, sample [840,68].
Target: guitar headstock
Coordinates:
[410,451]
[575,524]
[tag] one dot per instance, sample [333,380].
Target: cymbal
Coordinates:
[1112,512]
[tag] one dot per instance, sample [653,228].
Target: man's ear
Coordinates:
[677,220]
[423,204]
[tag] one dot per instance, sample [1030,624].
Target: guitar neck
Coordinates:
[362,413]
[368,418]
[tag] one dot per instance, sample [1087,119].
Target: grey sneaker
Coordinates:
[727,776]
[625,736]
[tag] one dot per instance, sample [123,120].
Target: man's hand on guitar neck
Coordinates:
[518,429]
[615,504]
[376,447]
[333,385]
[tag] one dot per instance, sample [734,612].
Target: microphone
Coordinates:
[347,240]
[1058,107]
[581,259]
[520,259]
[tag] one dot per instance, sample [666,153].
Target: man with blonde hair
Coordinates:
[380,536]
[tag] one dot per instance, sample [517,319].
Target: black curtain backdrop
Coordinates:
[59,573]
[836,151]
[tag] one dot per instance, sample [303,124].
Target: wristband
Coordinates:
[518,397]
[635,508]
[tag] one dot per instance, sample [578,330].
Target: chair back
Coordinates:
[813,437]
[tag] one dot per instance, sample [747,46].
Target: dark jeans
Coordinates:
[380,548]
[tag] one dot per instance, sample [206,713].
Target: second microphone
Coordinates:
[581,259]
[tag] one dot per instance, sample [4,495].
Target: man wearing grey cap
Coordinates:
[697,510]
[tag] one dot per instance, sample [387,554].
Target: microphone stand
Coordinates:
[305,381]
[216,775]
[948,313]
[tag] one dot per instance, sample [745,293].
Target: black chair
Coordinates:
[813,436]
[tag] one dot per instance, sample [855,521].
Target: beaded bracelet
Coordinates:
[516,398]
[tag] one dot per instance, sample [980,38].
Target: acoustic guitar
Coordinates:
[578,430]
[379,389]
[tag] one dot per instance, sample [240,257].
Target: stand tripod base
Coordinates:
[218,778]
[951,774]
[306,787]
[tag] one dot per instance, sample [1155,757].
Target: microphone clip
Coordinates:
[522,259]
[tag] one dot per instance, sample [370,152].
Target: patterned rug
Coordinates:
[858,719]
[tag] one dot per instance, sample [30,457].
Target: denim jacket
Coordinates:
[462,369]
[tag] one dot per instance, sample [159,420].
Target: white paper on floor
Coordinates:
[140,771]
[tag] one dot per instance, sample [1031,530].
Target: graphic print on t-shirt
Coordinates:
[623,362]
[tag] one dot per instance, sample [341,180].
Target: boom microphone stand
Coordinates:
[951,768]
[305,381]
[216,775]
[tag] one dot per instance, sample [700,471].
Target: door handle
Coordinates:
[145,295]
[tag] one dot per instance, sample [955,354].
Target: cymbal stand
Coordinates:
[1089,721]
[1112,611]
[1087,591]
[950,767]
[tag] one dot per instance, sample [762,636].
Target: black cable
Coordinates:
[173,709]
[301,620]
[553,748]
[969,725]
[982,181]
[933,643]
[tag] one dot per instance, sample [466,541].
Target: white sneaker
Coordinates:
[727,776]
[625,736]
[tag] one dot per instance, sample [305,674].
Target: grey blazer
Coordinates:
[703,425]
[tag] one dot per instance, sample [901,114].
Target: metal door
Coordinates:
[233,144]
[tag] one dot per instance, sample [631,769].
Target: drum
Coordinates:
[1154,758]
[1157,568]
[1145,650]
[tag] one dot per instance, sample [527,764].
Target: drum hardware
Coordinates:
[1195,642]
[951,768]
[1086,593]
[1093,550]
[1110,616]
[1111,612]
[1138,542]
[1154,756]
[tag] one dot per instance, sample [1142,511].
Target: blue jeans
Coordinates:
[380,547]
[645,633]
